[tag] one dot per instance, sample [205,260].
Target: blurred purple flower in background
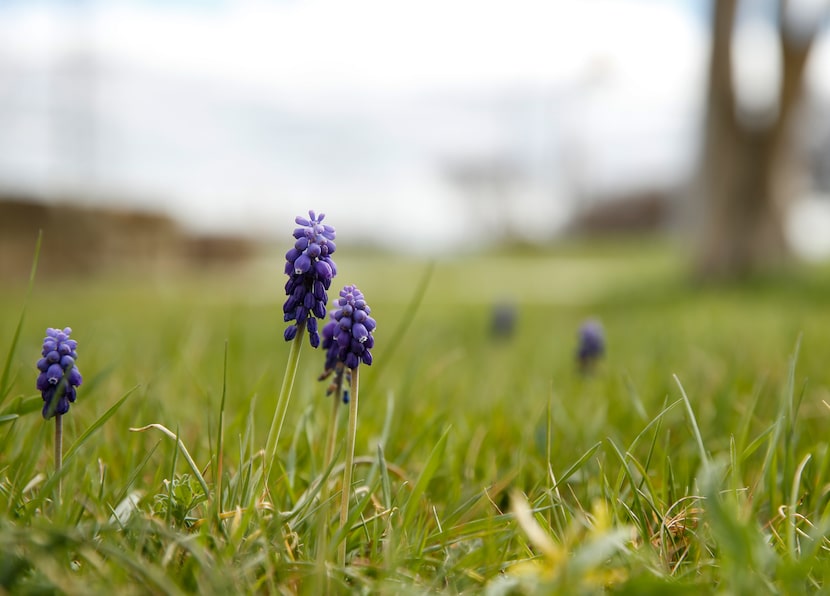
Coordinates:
[503,320]
[310,270]
[591,344]
[59,377]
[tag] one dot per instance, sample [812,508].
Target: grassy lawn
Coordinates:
[484,464]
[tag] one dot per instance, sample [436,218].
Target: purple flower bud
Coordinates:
[59,377]
[75,378]
[292,255]
[313,250]
[310,271]
[54,373]
[343,339]
[302,264]
[319,310]
[359,332]
[330,345]
[42,382]
[323,270]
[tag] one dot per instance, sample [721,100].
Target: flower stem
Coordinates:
[58,451]
[323,529]
[282,401]
[347,470]
[332,431]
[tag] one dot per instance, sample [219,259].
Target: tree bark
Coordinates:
[744,166]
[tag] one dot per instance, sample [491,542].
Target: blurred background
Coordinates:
[182,132]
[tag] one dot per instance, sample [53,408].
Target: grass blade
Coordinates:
[434,460]
[193,467]
[577,464]
[4,377]
[704,457]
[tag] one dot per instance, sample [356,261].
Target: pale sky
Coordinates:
[236,115]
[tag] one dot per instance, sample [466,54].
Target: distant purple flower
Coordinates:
[591,344]
[59,377]
[310,270]
[503,320]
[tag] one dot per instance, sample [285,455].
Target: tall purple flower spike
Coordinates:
[310,270]
[57,365]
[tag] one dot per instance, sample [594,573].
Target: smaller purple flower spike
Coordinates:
[310,270]
[59,377]
[347,339]
[591,344]
[353,333]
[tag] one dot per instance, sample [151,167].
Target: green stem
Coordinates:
[332,431]
[347,469]
[323,530]
[58,451]
[282,401]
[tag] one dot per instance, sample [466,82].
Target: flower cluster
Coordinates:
[591,343]
[58,376]
[310,270]
[348,337]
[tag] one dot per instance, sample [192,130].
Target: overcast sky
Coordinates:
[236,115]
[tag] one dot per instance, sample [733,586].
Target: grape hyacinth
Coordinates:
[591,344]
[57,365]
[348,341]
[353,331]
[310,270]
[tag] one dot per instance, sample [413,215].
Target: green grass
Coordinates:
[482,465]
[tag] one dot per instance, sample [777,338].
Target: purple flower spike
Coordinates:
[347,338]
[310,270]
[591,344]
[352,333]
[59,378]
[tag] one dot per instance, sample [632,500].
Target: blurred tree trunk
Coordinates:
[744,165]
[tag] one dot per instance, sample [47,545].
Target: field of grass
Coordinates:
[694,459]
